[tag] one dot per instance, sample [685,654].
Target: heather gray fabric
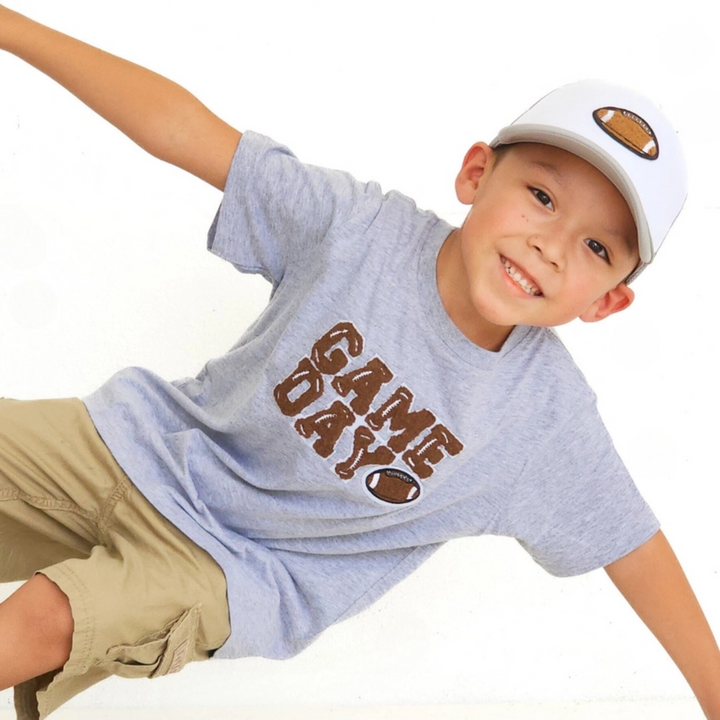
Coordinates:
[353,429]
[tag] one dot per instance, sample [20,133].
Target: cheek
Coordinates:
[584,295]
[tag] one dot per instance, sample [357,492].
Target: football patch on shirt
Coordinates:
[394,486]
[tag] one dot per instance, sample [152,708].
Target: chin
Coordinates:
[493,308]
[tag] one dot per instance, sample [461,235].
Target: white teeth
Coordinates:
[520,279]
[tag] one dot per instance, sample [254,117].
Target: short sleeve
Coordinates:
[275,208]
[575,507]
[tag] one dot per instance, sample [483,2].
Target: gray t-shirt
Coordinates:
[353,429]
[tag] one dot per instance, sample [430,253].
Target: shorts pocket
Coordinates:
[161,653]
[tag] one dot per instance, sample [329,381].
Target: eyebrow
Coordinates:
[550,169]
[630,242]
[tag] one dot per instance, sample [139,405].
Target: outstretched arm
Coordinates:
[156,113]
[655,585]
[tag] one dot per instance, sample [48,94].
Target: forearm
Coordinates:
[156,113]
[653,582]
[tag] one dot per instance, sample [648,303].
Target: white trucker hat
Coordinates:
[627,138]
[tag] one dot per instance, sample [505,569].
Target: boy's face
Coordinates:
[548,238]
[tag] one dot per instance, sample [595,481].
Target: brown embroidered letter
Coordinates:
[407,424]
[365,383]
[361,455]
[328,425]
[428,451]
[329,361]
[304,374]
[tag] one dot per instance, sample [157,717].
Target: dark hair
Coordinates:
[499,152]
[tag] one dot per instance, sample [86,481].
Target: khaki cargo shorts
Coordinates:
[145,599]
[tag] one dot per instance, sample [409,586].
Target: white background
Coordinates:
[102,265]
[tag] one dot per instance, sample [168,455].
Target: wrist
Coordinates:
[8,27]
[13,26]
[707,687]
[710,703]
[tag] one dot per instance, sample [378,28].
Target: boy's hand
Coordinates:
[655,585]
[156,113]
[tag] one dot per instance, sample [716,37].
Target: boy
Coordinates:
[400,390]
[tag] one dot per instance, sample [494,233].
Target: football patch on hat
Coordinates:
[393,486]
[629,130]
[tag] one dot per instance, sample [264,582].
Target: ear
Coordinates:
[613,301]
[477,160]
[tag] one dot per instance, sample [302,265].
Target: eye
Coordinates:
[543,198]
[598,249]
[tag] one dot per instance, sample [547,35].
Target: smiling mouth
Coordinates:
[521,281]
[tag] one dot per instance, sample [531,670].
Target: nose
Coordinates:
[550,245]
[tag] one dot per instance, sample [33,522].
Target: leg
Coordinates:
[36,627]
[135,584]
[48,471]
